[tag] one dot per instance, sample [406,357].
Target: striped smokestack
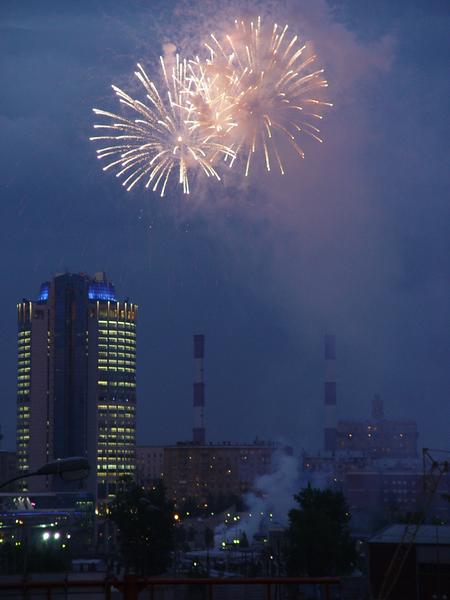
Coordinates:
[199,390]
[330,394]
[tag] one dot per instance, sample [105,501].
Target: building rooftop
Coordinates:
[427,534]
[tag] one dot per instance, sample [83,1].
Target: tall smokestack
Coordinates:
[199,390]
[330,394]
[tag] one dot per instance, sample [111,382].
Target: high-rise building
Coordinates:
[76,390]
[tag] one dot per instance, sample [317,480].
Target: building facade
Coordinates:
[8,469]
[424,574]
[199,472]
[378,437]
[76,387]
[149,464]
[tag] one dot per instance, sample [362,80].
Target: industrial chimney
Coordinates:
[330,394]
[199,390]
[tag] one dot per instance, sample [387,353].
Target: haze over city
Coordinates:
[353,240]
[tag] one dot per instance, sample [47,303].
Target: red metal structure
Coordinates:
[131,586]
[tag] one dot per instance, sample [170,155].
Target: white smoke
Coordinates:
[269,502]
[169,53]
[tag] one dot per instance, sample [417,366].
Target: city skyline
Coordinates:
[353,241]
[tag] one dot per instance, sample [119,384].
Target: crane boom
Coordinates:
[433,471]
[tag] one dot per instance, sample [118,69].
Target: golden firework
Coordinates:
[164,136]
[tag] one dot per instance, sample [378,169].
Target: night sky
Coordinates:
[355,240]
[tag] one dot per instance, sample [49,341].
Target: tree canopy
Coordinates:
[319,541]
[144,521]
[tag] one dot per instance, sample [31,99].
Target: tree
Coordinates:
[144,521]
[319,541]
[209,537]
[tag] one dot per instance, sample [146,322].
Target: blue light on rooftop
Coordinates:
[44,291]
[101,291]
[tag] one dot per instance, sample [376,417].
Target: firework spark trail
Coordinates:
[271,87]
[165,138]
[257,87]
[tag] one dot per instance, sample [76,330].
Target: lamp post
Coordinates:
[73,468]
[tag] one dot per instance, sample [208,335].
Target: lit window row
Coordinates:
[103,334]
[113,467]
[115,443]
[105,434]
[115,332]
[115,407]
[120,323]
[116,429]
[115,448]
[105,355]
[115,369]
[117,361]
[127,345]
[126,450]
[120,343]
[129,384]
[124,417]
[118,439]
[118,459]
[107,412]
[123,429]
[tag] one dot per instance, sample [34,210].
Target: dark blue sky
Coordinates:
[355,240]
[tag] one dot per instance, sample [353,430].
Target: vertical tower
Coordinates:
[76,389]
[199,390]
[330,394]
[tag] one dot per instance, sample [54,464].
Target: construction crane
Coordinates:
[433,472]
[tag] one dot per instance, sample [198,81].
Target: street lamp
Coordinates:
[73,468]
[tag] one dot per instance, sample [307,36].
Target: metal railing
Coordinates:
[132,587]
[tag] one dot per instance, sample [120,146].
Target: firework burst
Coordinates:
[165,136]
[257,89]
[271,82]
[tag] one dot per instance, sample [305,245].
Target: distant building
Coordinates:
[360,443]
[202,471]
[393,490]
[378,437]
[76,383]
[149,464]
